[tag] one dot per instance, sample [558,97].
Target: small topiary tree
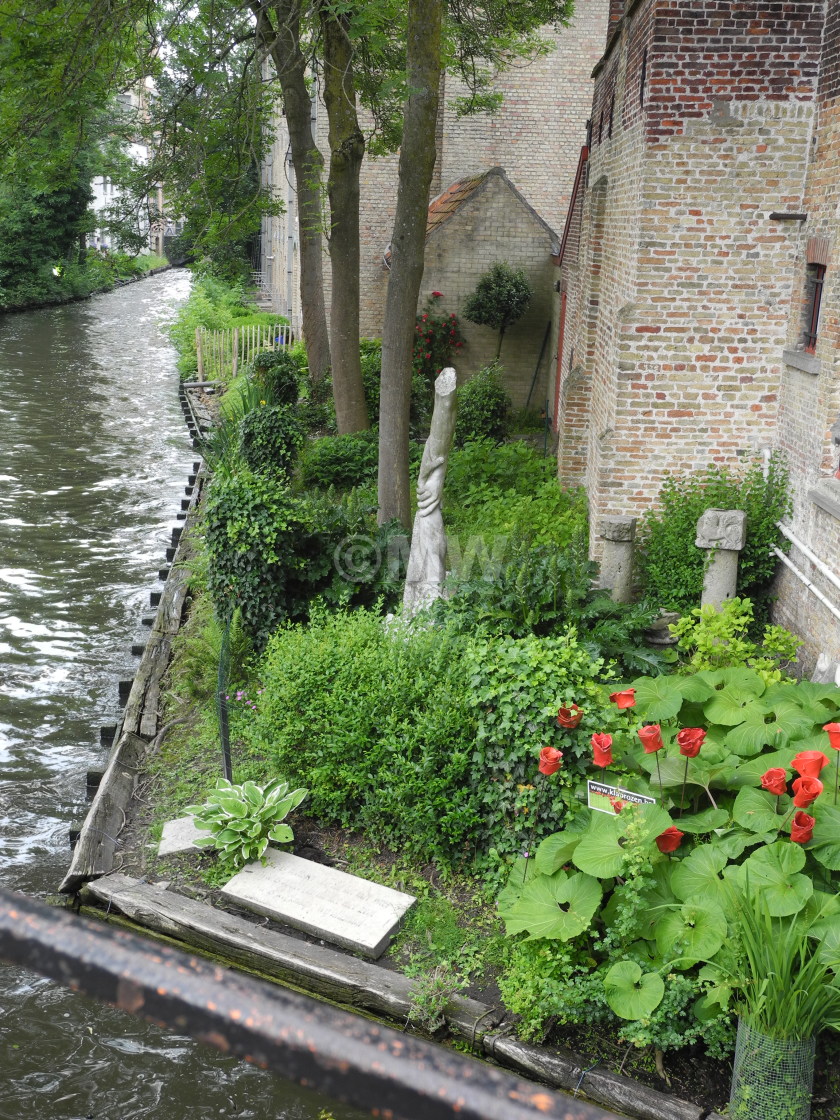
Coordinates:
[501,298]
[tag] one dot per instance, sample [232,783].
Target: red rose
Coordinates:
[550,760]
[651,737]
[569,717]
[802,828]
[625,699]
[451,314]
[436,295]
[424,317]
[616,804]
[601,749]
[809,763]
[775,781]
[690,740]
[833,730]
[806,790]
[670,839]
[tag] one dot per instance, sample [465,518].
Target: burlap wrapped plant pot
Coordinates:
[772,1078]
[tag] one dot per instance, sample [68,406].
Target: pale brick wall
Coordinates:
[494,224]
[536,136]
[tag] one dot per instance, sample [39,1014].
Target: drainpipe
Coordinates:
[800,575]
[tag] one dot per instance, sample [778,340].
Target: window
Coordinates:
[817,253]
[814,276]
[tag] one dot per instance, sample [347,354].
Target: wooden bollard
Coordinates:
[154,598]
[176,533]
[181,516]
[74,833]
[123,690]
[196,467]
[92,780]
[170,553]
[191,479]
[185,503]
[107,734]
[147,621]
[163,574]
[188,490]
[138,650]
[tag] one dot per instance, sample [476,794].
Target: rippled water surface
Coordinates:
[93,460]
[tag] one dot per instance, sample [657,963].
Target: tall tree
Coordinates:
[417,162]
[347,149]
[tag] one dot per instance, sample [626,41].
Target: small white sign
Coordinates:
[609,799]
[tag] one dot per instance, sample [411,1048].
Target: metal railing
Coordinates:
[348,1058]
[220,353]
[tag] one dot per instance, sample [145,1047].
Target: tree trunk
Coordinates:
[417,162]
[283,44]
[347,149]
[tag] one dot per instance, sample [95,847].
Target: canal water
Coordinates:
[94,457]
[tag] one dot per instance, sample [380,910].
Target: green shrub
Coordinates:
[717,639]
[341,461]
[482,470]
[483,408]
[278,375]
[500,299]
[271,437]
[379,722]
[370,353]
[437,336]
[215,305]
[672,566]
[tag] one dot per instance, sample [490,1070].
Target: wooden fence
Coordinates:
[221,353]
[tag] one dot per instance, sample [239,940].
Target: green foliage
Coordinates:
[341,461]
[672,566]
[271,437]
[515,686]
[483,408]
[278,374]
[430,993]
[271,551]
[717,639]
[664,934]
[501,298]
[215,305]
[379,720]
[242,819]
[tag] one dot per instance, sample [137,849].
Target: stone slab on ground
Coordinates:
[321,901]
[180,836]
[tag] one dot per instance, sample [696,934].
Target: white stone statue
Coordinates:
[427,559]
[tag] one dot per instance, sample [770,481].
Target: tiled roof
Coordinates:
[448,202]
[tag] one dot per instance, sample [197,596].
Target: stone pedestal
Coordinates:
[618,535]
[723,532]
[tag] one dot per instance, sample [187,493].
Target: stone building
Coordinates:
[535,135]
[701,235]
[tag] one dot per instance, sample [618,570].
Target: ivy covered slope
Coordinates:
[633,915]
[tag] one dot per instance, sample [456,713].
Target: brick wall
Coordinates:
[495,224]
[535,135]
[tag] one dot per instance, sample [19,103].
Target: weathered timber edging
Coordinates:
[345,979]
[93,854]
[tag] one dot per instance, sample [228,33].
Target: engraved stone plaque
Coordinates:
[321,901]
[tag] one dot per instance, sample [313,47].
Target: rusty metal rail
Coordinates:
[318,1046]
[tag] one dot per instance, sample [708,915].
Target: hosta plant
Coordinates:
[243,819]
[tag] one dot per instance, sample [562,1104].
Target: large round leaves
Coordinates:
[760,811]
[557,906]
[825,845]
[631,993]
[767,725]
[555,851]
[698,875]
[600,852]
[692,933]
[773,870]
[658,698]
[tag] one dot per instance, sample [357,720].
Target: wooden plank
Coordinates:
[326,972]
[564,1070]
[94,852]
